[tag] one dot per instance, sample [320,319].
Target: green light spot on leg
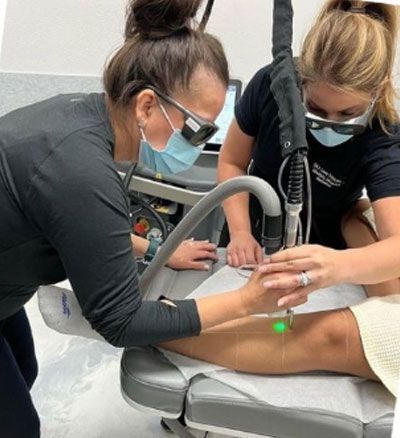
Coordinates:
[280,327]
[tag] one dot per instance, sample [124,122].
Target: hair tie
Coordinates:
[372,10]
[355,10]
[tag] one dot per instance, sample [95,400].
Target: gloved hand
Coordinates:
[243,249]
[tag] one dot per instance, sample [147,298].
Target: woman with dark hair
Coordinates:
[64,209]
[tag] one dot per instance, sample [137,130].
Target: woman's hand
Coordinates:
[190,253]
[243,249]
[320,265]
[257,298]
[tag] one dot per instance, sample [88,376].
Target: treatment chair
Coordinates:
[151,383]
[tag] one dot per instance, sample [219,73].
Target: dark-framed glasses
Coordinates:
[354,126]
[196,129]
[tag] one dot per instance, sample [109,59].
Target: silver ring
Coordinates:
[304,279]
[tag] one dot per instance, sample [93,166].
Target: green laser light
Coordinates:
[279,327]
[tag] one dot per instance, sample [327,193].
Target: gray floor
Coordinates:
[77,391]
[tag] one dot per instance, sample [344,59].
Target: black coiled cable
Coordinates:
[294,199]
[296,178]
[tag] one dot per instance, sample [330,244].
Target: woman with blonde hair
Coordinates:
[346,69]
[346,72]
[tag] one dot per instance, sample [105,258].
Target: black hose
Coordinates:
[206,15]
[296,179]
[294,201]
[128,176]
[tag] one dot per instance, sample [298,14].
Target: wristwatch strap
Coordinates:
[151,250]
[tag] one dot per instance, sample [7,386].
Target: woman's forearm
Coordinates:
[372,264]
[236,207]
[218,309]
[140,245]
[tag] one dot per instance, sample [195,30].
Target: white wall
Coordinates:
[63,37]
[3,6]
[76,36]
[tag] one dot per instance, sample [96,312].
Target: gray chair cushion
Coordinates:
[211,403]
[150,380]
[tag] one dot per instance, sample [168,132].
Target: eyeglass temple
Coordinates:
[169,100]
[177,104]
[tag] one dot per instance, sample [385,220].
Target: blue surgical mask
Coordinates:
[329,138]
[177,156]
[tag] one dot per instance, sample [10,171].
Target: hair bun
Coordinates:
[156,19]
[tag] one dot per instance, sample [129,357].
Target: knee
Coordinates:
[333,333]
[358,225]
[356,212]
[360,207]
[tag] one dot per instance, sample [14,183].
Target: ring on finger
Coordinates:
[304,279]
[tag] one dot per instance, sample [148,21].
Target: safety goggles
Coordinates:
[355,126]
[196,129]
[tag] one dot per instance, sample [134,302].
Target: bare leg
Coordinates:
[358,232]
[327,341]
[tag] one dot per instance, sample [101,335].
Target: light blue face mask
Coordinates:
[177,156]
[329,138]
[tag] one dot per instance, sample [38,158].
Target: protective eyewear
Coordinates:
[196,129]
[355,126]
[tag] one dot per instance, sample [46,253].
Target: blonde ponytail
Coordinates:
[352,47]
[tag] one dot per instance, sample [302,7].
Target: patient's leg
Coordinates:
[358,232]
[319,341]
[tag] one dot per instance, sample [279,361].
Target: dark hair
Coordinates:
[163,48]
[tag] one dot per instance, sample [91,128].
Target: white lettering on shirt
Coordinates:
[326,178]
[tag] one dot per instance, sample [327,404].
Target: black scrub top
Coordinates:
[339,174]
[64,213]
